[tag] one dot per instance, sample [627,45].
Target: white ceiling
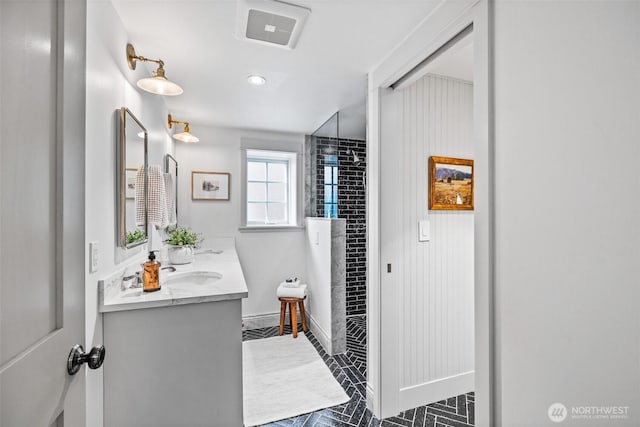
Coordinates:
[342,40]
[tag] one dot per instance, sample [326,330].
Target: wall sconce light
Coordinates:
[185,135]
[157,84]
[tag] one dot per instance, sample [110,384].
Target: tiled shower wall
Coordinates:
[351,206]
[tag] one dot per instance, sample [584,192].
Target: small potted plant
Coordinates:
[181,243]
[135,236]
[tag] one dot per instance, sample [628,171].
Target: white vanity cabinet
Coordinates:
[174,357]
[174,366]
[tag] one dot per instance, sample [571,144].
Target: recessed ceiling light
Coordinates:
[256,80]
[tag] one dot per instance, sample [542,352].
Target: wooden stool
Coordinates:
[293,316]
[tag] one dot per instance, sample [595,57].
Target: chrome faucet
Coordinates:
[132,281]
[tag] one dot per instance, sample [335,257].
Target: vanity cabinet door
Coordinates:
[179,365]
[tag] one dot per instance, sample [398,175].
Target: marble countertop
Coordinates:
[181,287]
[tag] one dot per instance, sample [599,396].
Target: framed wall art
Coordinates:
[450,183]
[130,183]
[210,185]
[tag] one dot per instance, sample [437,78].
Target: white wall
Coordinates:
[567,133]
[267,257]
[318,247]
[326,279]
[558,243]
[110,85]
[434,279]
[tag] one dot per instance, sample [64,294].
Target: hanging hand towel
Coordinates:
[157,200]
[171,200]
[139,197]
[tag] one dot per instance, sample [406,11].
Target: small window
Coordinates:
[331,186]
[271,188]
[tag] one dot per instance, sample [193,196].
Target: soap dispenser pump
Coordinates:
[151,274]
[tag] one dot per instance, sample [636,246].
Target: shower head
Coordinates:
[355,160]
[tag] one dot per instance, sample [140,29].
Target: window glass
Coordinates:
[256,192]
[270,189]
[331,210]
[328,174]
[277,192]
[277,172]
[256,171]
[331,186]
[277,212]
[256,212]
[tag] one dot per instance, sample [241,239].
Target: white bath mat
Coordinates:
[285,377]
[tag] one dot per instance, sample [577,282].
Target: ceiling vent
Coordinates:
[270,22]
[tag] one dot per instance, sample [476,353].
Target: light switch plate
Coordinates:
[424,230]
[93,256]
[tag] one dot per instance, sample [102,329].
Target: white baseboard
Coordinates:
[320,334]
[259,321]
[433,391]
[369,393]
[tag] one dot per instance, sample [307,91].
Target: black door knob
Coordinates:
[77,357]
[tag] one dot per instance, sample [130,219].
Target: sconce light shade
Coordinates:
[184,136]
[158,84]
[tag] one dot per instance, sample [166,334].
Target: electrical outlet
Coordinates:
[93,256]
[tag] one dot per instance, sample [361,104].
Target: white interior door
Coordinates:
[391,271]
[426,285]
[42,69]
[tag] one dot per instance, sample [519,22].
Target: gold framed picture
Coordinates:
[450,184]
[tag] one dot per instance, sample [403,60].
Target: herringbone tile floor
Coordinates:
[349,369]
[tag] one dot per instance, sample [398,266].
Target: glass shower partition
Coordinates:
[323,169]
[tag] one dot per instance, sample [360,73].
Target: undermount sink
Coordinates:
[190,279]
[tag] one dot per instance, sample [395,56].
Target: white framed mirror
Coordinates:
[131,182]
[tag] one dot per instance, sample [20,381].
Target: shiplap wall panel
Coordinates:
[437,294]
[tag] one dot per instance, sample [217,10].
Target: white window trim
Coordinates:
[295,175]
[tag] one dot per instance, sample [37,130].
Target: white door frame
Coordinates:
[440,26]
